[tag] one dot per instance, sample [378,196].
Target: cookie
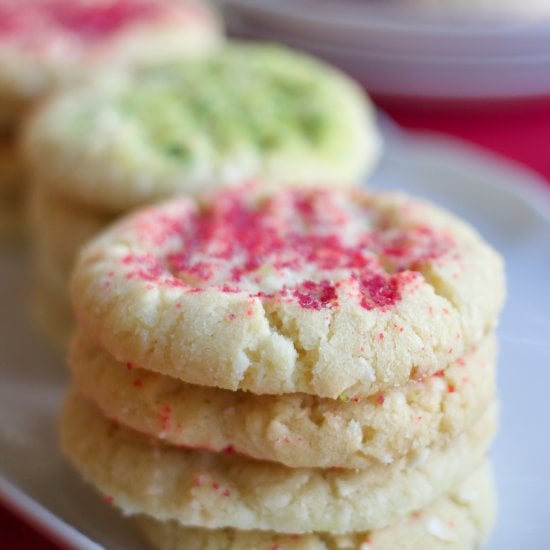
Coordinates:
[297,430]
[50,313]
[459,520]
[46,43]
[12,112]
[202,489]
[179,127]
[58,229]
[319,291]
[11,176]
[10,219]
[10,164]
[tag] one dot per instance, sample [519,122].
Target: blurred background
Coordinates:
[476,69]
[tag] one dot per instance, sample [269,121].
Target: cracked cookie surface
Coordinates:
[461,519]
[298,430]
[319,291]
[204,489]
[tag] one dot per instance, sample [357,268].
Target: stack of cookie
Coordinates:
[174,128]
[47,44]
[305,368]
[11,173]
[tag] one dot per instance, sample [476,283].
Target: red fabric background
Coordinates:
[17,535]
[519,129]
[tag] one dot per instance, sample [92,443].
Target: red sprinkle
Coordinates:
[198,481]
[380,398]
[138,383]
[379,291]
[297,230]
[109,499]
[316,295]
[165,416]
[451,388]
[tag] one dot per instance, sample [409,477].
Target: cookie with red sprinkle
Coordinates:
[217,490]
[45,43]
[290,291]
[460,519]
[58,230]
[176,127]
[297,430]
[11,174]
[48,309]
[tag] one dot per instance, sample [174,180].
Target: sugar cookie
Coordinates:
[46,43]
[202,489]
[320,291]
[297,430]
[459,520]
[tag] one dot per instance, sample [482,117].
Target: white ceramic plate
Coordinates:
[410,49]
[511,208]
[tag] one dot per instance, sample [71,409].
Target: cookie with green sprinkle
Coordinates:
[178,127]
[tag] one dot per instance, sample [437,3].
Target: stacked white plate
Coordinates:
[430,48]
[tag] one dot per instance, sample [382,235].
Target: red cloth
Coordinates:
[16,534]
[518,129]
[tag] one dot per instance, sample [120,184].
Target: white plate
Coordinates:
[511,208]
[405,49]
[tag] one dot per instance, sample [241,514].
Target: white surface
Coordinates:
[510,207]
[398,48]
